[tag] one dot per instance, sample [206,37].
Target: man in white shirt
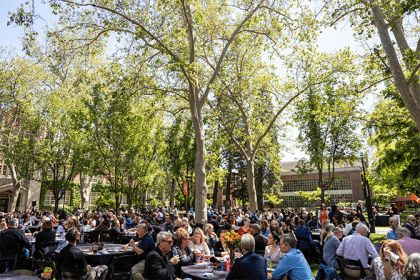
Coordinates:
[357,246]
[348,227]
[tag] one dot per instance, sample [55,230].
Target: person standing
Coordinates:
[323,213]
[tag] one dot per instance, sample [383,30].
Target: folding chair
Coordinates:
[350,265]
[10,259]
[44,262]
[121,266]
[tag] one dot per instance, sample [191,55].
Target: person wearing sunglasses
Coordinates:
[158,266]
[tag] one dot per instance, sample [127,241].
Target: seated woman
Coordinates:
[265,228]
[211,237]
[104,225]
[116,232]
[386,267]
[412,267]
[220,246]
[45,235]
[332,243]
[245,228]
[274,249]
[186,255]
[198,242]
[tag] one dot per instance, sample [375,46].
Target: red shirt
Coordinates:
[241,231]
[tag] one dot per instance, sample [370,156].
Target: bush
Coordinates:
[105,201]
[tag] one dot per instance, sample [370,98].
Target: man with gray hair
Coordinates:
[409,244]
[158,266]
[142,248]
[294,264]
[392,233]
[250,265]
[410,224]
[357,246]
[11,239]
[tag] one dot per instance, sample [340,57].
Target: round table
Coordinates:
[99,258]
[17,277]
[196,272]
[382,220]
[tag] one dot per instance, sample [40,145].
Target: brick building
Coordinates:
[347,188]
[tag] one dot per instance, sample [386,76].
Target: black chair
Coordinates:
[121,266]
[308,252]
[67,273]
[10,259]
[49,249]
[42,263]
[103,235]
[343,263]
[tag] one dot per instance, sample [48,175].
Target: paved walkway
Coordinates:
[381,230]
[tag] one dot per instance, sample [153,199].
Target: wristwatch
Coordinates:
[387,259]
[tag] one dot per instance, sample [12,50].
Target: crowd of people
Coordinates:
[167,240]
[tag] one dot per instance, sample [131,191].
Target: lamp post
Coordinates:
[366,192]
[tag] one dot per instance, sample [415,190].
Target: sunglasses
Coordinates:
[169,242]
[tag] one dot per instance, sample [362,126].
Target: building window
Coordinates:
[49,199]
[4,170]
[93,197]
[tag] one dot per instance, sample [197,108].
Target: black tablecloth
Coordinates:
[196,272]
[382,220]
[34,228]
[99,259]
[17,277]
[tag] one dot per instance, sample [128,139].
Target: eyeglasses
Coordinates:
[169,242]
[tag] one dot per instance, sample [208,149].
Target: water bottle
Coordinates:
[221,265]
[211,253]
[227,266]
[270,263]
[174,252]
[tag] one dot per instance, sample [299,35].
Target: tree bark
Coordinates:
[173,189]
[250,180]
[229,177]
[215,191]
[163,196]
[16,188]
[85,189]
[411,99]
[259,189]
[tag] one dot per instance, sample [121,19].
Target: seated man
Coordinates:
[410,224]
[72,263]
[143,247]
[357,246]
[294,264]
[313,224]
[157,265]
[349,226]
[260,241]
[409,245]
[251,265]
[353,228]
[392,233]
[10,239]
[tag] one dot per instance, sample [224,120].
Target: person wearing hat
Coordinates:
[260,241]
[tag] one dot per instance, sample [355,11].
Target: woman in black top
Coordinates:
[220,246]
[45,235]
[186,255]
[116,232]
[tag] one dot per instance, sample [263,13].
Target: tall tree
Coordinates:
[396,24]
[182,37]
[326,131]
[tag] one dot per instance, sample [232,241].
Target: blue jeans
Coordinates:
[22,259]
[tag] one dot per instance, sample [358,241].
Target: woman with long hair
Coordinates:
[220,249]
[323,213]
[391,262]
[198,242]
[245,228]
[265,231]
[186,254]
[211,237]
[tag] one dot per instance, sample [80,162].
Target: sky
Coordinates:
[329,41]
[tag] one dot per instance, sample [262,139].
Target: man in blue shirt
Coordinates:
[251,265]
[392,233]
[143,247]
[294,264]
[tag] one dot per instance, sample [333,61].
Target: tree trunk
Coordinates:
[85,190]
[16,188]
[251,186]
[142,196]
[56,202]
[411,99]
[163,196]
[130,197]
[229,176]
[173,189]
[259,189]
[321,186]
[215,191]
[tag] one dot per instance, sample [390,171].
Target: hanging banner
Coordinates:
[415,198]
[185,188]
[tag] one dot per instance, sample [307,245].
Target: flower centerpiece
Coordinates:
[233,241]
